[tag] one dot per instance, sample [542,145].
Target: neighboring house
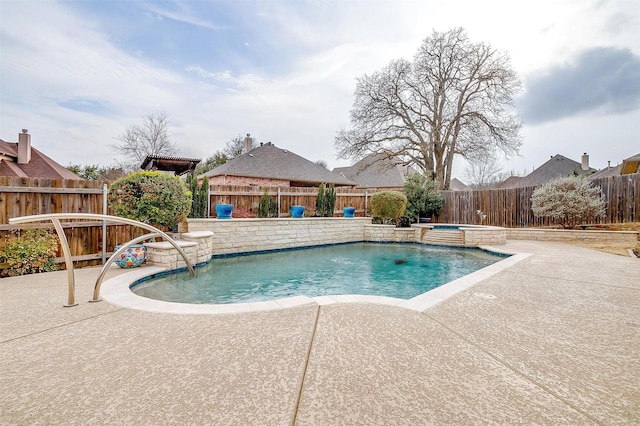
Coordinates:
[377,171]
[20,159]
[630,165]
[268,165]
[457,185]
[556,167]
[608,172]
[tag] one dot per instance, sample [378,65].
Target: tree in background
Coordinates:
[95,172]
[151,137]
[571,201]
[484,171]
[199,196]
[455,98]
[323,164]
[232,149]
[423,199]
[326,200]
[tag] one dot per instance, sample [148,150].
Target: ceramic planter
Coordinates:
[223,211]
[349,212]
[297,211]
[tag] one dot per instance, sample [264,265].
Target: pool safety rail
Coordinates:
[55,219]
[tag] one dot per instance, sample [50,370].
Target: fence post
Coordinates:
[104,223]
[278,201]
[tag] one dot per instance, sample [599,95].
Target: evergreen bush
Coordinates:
[326,200]
[569,201]
[388,205]
[423,199]
[32,252]
[154,198]
[268,207]
[199,196]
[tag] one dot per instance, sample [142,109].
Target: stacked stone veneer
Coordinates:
[484,236]
[389,233]
[250,235]
[198,246]
[571,235]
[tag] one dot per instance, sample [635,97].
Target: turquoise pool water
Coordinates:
[395,270]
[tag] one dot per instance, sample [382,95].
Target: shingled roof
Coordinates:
[270,162]
[376,171]
[38,166]
[556,167]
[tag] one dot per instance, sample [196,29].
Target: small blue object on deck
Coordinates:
[349,211]
[223,211]
[297,211]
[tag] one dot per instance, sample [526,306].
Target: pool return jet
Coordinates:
[55,219]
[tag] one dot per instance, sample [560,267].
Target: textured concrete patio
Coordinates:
[554,339]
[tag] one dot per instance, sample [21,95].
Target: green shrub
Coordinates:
[326,201]
[569,201]
[388,205]
[151,197]
[423,198]
[268,207]
[199,196]
[33,252]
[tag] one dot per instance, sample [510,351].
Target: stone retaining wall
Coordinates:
[484,236]
[571,235]
[250,235]
[198,246]
[389,233]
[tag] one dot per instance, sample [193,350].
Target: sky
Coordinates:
[77,74]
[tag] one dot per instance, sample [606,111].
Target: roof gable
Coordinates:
[376,171]
[268,161]
[40,165]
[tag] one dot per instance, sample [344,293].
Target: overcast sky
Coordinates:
[76,74]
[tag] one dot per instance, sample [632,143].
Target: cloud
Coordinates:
[602,79]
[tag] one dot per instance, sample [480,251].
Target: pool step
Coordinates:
[443,238]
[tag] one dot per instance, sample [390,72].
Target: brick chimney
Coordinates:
[24,147]
[248,143]
[585,162]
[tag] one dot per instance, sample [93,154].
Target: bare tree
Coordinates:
[323,163]
[149,138]
[484,171]
[235,147]
[453,99]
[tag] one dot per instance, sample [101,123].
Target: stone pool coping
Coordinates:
[117,291]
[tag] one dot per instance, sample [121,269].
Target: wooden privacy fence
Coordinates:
[247,198]
[512,207]
[33,196]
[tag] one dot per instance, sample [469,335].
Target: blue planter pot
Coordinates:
[135,256]
[349,211]
[297,211]
[223,211]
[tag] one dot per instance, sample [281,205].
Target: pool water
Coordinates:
[395,270]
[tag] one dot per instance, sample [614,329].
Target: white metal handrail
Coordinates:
[55,219]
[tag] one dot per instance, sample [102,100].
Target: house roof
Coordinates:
[608,172]
[178,165]
[630,165]
[556,167]
[40,166]
[457,185]
[271,162]
[376,171]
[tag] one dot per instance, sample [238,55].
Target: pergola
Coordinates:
[177,165]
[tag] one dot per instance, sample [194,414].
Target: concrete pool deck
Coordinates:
[553,339]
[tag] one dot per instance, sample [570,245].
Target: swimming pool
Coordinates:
[394,270]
